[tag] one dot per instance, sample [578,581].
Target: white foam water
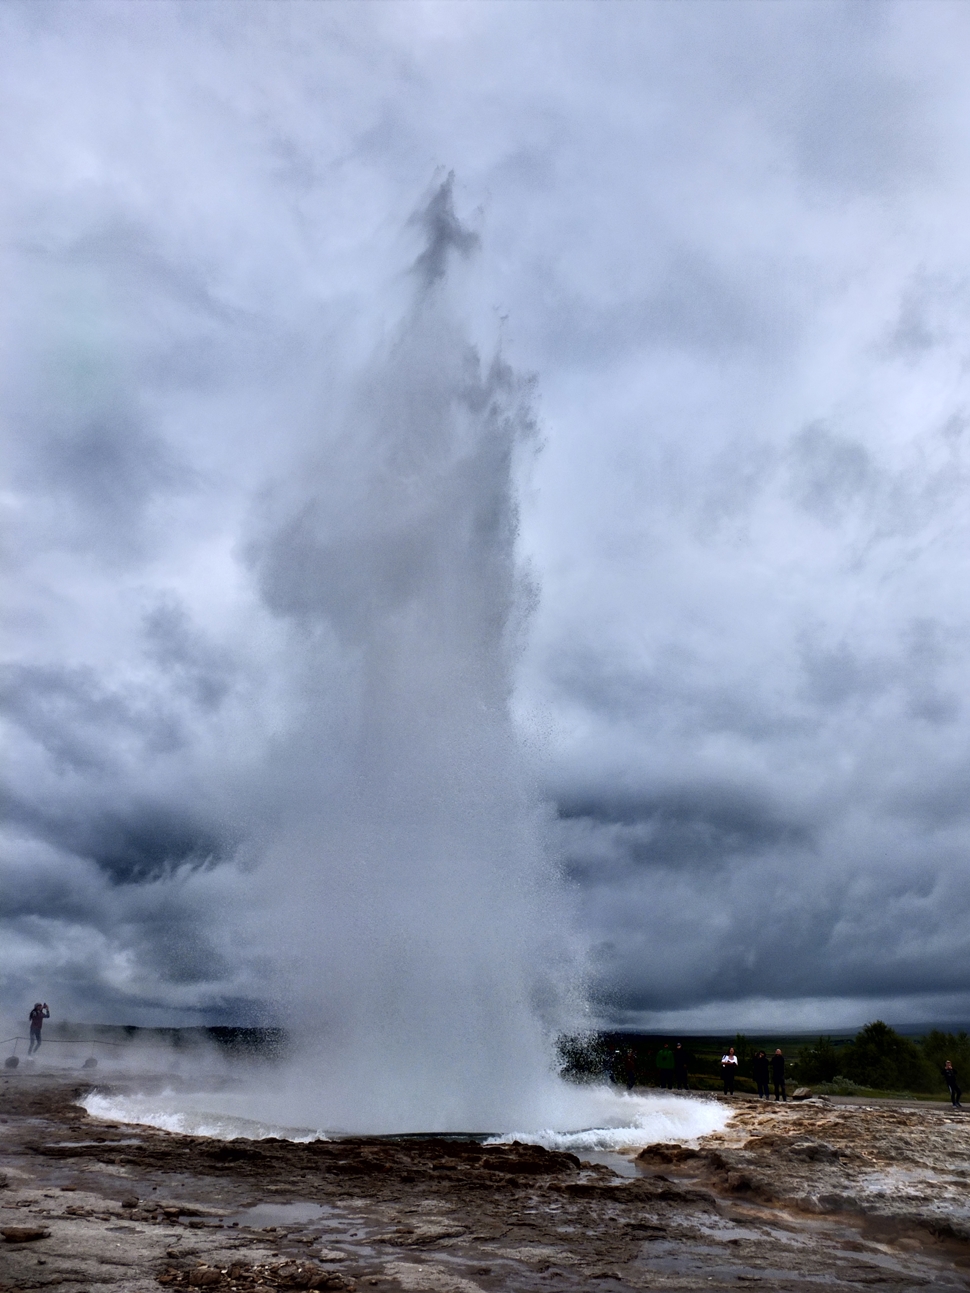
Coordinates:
[629,1122]
[187,1115]
[578,1119]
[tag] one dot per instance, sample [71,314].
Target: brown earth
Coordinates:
[789,1197]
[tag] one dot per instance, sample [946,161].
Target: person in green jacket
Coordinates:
[665,1066]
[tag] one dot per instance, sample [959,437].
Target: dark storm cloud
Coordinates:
[149,842]
[686,827]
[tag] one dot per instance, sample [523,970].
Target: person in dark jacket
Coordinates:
[949,1074]
[37,1017]
[630,1068]
[760,1066]
[778,1075]
[680,1068]
[615,1067]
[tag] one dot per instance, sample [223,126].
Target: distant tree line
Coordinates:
[881,1059]
[877,1058]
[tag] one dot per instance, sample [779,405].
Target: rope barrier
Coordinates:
[13,1060]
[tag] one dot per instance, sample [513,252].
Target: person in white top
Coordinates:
[729,1068]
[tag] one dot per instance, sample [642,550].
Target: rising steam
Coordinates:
[412,906]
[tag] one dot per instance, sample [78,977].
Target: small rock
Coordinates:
[204,1277]
[802,1093]
[816,1151]
[130,1202]
[667,1153]
[23,1234]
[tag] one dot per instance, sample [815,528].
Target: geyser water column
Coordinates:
[414,912]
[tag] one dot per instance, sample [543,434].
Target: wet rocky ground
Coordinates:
[789,1197]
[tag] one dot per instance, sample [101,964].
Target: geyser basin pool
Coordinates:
[578,1119]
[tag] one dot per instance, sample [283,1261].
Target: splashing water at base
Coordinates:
[187,1116]
[623,1122]
[578,1119]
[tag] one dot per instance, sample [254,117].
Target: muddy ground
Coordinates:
[790,1196]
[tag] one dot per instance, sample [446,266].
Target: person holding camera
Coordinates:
[37,1017]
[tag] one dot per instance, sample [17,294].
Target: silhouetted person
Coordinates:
[680,1068]
[616,1067]
[630,1065]
[778,1075]
[950,1075]
[665,1066]
[760,1066]
[729,1069]
[37,1017]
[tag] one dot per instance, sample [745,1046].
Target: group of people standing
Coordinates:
[764,1068]
[671,1065]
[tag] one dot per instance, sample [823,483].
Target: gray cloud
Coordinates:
[730,242]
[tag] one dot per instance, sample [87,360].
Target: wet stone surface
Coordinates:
[788,1197]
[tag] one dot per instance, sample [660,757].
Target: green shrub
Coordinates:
[883,1060]
[818,1063]
[838,1086]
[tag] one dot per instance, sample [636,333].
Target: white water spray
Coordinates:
[412,901]
[415,922]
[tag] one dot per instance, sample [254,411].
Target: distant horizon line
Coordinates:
[906,1029]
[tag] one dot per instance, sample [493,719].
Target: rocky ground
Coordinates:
[789,1197]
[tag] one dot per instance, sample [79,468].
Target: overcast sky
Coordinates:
[731,243]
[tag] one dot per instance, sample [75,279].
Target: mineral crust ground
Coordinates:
[788,1197]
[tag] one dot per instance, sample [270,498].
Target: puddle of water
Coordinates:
[278,1214]
[103,1144]
[619,1163]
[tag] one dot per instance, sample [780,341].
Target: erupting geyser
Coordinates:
[411,919]
[414,909]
